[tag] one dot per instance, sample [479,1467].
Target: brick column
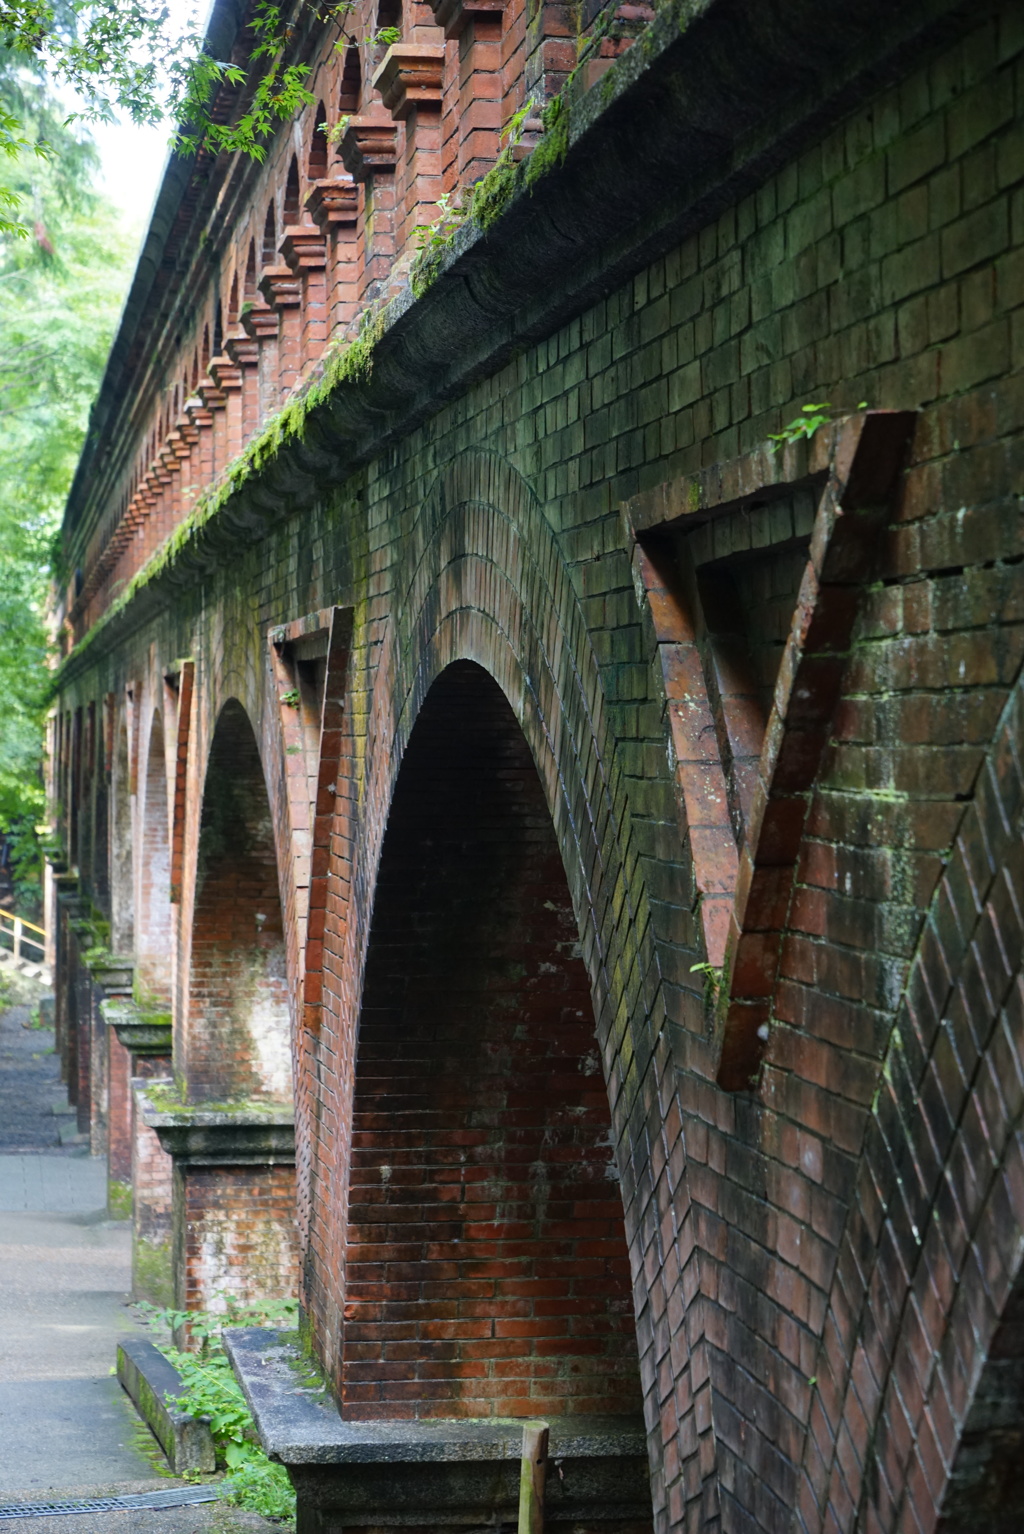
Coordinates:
[138,1047]
[152,1270]
[108,977]
[233,1202]
[65,905]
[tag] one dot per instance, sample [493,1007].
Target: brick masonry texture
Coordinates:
[824,1264]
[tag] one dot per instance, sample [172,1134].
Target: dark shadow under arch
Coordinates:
[239,1036]
[487,1268]
[985,1489]
[153,931]
[122,923]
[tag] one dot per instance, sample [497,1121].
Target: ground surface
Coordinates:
[34,1111]
[66,1427]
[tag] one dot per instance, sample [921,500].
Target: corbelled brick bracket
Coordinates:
[750,705]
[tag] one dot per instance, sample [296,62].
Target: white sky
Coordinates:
[133,158]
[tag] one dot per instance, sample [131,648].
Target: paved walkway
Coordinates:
[34,1111]
[66,1427]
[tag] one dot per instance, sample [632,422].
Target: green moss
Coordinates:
[119,1199]
[149,1004]
[152,1274]
[554,146]
[164,1098]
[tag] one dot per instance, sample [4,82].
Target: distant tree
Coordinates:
[136,58]
[60,293]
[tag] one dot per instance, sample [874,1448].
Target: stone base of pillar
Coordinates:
[432,1475]
[233,1202]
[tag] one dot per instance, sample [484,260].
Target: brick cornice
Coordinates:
[718,95]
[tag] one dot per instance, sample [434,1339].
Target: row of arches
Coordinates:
[481,1153]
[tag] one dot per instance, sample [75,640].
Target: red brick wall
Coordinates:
[122,894]
[820,1260]
[151,1211]
[119,1109]
[238,1037]
[123,1070]
[153,934]
[487,1265]
[234,1234]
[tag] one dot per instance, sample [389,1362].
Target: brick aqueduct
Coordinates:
[540,870]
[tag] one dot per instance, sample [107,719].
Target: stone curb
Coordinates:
[151,1382]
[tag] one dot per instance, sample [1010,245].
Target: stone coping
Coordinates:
[140,1031]
[246,1134]
[299,1422]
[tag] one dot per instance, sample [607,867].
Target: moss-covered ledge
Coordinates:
[141,1031]
[245,1133]
[712,97]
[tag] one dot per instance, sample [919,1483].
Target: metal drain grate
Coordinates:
[174,1496]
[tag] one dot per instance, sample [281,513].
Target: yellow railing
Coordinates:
[22,934]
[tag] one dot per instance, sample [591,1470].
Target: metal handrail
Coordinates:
[19,931]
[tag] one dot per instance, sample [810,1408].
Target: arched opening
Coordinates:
[985,1489]
[238,1042]
[153,933]
[100,880]
[270,238]
[351,83]
[291,194]
[389,15]
[122,920]
[249,286]
[218,330]
[487,1270]
[233,301]
[205,360]
[317,164]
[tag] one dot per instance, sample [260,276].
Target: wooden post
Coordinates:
[17,937]
[531,1478]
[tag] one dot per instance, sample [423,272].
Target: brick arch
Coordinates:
[490,585]
[237,1038]
[481,1159]
[153,929]
[122,933]
[985,1488]
[923,1300]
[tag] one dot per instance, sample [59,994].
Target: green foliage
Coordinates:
[803,427]
[713,975]
[212,1391]
[119,1199]
[386,36]
[60,292]
[291,697]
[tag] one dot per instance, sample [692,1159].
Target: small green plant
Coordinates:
[212,1391]
[340,128]
[433,236]
[291,697]
[811,418]
[385,37]
[712,981]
